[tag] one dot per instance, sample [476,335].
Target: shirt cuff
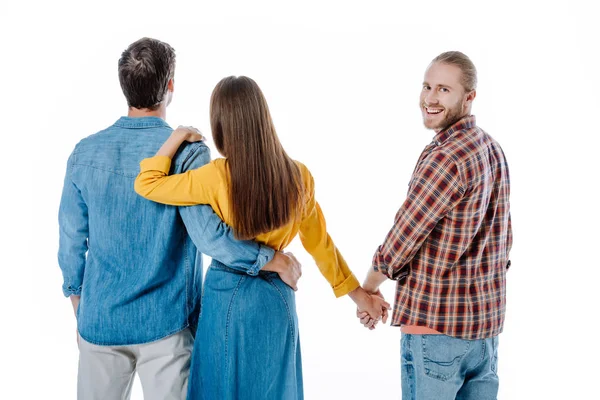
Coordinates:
[391,273]
[265,254]
[383,269]
[380,266]
[70,290]
[349,284]
[156,163]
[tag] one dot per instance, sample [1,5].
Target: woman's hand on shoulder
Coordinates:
[188,134]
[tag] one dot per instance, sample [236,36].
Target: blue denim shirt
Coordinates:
[135,262]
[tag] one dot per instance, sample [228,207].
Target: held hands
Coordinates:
[366,319]
[371,307]
[188,134]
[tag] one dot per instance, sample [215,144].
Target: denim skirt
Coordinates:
[247,344]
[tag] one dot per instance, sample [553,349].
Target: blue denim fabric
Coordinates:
[133,261]
[248,344]
[440,367]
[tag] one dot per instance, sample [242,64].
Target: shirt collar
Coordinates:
[467,122]
[141,122]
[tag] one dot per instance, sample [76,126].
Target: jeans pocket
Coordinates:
[442,355]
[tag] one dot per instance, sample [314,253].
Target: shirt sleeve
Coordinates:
[316,240]
[435,190]
[214,237]
[73,234]
[197,186]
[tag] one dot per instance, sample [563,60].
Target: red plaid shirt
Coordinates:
[450,243]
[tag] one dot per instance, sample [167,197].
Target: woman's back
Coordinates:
[257,189]
[209,185]
[279,238]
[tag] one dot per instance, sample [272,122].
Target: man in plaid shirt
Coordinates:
[449,247]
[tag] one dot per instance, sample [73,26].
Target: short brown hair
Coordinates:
[469,72]
[144,72]
[265,184]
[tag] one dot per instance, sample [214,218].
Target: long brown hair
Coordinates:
[265,183]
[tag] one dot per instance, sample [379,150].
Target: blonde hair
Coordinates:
[469,72]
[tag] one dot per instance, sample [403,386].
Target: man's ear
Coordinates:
[468,102]
[171,85]
[471,96]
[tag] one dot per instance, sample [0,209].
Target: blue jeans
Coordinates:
[440,367]
[247,345]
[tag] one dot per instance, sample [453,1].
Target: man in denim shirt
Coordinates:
[131,266]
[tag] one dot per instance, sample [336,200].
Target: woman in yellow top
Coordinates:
[247,344]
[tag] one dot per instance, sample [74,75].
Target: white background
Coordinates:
[342,80]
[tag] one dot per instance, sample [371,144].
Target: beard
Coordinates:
[453,114]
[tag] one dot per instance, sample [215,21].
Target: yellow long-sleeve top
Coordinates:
[209,185]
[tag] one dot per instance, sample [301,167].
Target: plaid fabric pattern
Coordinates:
[450,243]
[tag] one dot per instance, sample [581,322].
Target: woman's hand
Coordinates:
[374,306]
[364,316]
[188,134]
[178,136]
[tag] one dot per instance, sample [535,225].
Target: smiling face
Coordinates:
[444,99]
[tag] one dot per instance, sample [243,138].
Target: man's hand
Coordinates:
[371,285]
[364,316]
[372,306]
[288,268]
[75,304]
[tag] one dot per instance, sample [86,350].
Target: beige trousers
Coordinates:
[106,372]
